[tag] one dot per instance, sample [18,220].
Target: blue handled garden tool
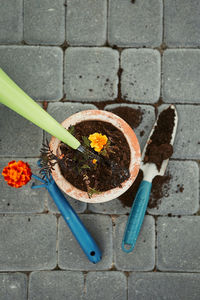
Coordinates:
[141,200]
[76,226]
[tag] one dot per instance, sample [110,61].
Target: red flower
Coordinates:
[17,174]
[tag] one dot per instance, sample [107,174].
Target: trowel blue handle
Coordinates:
[81,234]
[136,216]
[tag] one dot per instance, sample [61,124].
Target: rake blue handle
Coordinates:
[81,234]
[83,237]
[136,216]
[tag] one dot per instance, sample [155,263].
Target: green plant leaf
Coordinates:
[85,167]
[71,129]
[104,152]
[86,141]
[92,191]
[107,144]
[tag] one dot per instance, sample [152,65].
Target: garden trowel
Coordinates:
[140,203]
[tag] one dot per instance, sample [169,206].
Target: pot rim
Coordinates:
[134,166]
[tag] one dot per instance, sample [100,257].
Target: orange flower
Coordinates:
[98,141]
[61,156]
[17,174]
[94,161]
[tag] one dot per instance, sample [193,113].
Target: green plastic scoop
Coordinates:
[15,98]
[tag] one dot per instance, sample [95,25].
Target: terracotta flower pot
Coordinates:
[132,140]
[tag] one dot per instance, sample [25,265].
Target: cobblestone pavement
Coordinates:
[63,53]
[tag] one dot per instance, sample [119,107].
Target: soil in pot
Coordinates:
[91,176]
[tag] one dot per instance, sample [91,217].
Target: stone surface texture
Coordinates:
[28,243]
[91,74]
[140,79]
[11,16]
[135,24]
[76,55]
[178,244]
[86,22]
[44,22]
[13,286]
[106,285]
[56,285]
[181,76]
[37,70]
[171,286]
[19,137]
[181,23]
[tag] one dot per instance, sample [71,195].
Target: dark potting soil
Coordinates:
[159,147]
[81,172]
[132,116]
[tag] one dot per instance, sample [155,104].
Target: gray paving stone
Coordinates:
[181,76]
[181,23]
[135,24]
[55,285]
[86,22]
[111,207]
[61,111]
[91,74]
[11,16]
[140,80]
[142,258]
[22,200]
[37,70]
[170,286]
[13,286]
[178,244]
[18,136]
[106,285]
[44,22]
[187,141]
[28,242]
[71,256]
[185,174]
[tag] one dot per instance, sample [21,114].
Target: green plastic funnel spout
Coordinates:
[15,98]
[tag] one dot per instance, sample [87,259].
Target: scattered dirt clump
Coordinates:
[132,116]
[180,188]
[160,189]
